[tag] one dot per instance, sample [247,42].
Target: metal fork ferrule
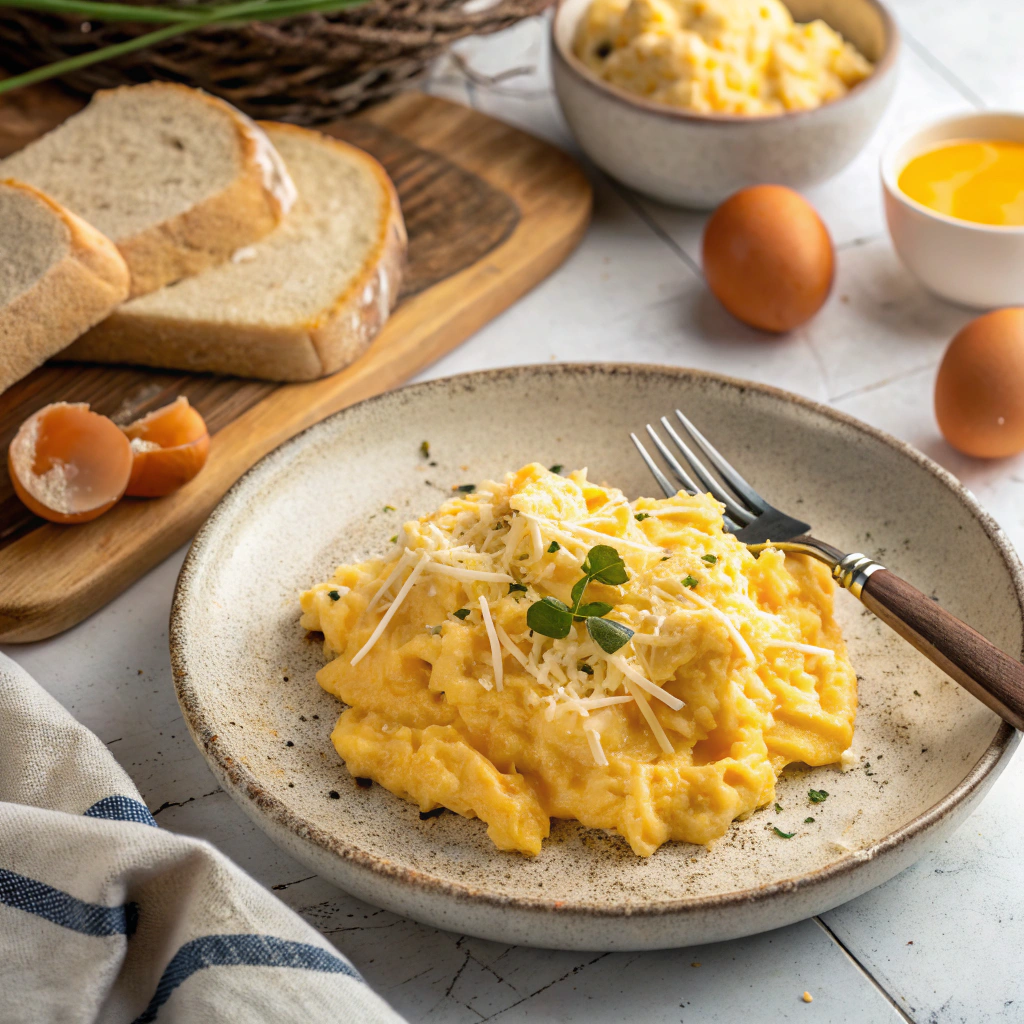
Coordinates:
[853,570]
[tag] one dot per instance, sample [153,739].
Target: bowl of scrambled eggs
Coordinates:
[688,101]
[694,744]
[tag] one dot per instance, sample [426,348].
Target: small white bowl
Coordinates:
[697,160]
[976,265]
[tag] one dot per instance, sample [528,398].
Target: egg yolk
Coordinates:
[975,180]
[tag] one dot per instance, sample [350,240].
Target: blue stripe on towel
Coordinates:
[240,951]
[121,808]
[61,908]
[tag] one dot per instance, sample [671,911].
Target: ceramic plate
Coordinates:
[925,750]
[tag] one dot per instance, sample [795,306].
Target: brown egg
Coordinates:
[768,257]
[170,446]
[69,464]
[979,391]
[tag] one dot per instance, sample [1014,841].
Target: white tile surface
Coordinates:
[633,292]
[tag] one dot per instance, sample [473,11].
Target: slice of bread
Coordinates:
[177,179]
[58,277]
[302,303]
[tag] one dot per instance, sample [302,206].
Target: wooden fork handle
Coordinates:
[963,653]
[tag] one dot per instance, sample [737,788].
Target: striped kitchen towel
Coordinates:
[105,917]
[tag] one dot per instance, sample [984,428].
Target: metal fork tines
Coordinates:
[747,514]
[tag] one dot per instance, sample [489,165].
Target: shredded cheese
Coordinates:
[645,709]
[392,608]
[645,684]
[792,645]
[594,739]
[734,633]
[460,573]
[492,636]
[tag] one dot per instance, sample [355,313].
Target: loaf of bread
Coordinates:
[58,277]
[179,180]
[303,302]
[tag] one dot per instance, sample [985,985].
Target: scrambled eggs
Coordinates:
[717,56]
[663,711]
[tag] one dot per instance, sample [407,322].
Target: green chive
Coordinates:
[553,547]
[641,516]
[517,588]
[690,581]
[710,559]
[394,539]
[462,613]
[778,808]
[557,468]
[466,488]
[808,821]
[785,835]
[817,796]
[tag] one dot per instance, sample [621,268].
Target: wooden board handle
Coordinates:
[963,653]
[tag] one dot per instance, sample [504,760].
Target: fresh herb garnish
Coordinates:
[553,547]
[553,618]
[557,468]
[665,558]
[517,588]
[389,508]
[690,581]
[334,595]
[778,808]
[808,821]
[466,488]
[394,539]
[785,835]
[425,449]
[582,666]
[817,796]
[641,516]
[462,613]
[710,559]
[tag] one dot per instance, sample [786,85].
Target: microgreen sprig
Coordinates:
[553,618]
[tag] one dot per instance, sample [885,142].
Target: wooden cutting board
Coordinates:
[490,212]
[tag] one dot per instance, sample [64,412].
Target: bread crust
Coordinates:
[73,295]
[303,351]
[209,232]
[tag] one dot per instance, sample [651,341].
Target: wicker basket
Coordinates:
[306,70]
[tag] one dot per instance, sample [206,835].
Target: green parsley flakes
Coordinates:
[462,613]
[690,581]
[394,539]
[465,488]
[514,588]
[334,595]
[553,547]
[785,835]
[582,666]
[778,808]
[389,508]
[817,796]
[641,516]
[710,559]
[557,468]
[425,449]
[808,821]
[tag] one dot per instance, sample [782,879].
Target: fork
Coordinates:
[960,651]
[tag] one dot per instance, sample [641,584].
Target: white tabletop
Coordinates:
[940,943]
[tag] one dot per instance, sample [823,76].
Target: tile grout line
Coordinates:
[940,69]
[904,1016]
[634,204]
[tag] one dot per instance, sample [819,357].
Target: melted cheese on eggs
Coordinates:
[454,702]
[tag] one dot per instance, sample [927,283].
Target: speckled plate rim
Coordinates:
[885,64]
[245,787]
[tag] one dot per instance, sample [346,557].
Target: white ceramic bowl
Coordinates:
[697,160]
[976,265]
[245,671]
